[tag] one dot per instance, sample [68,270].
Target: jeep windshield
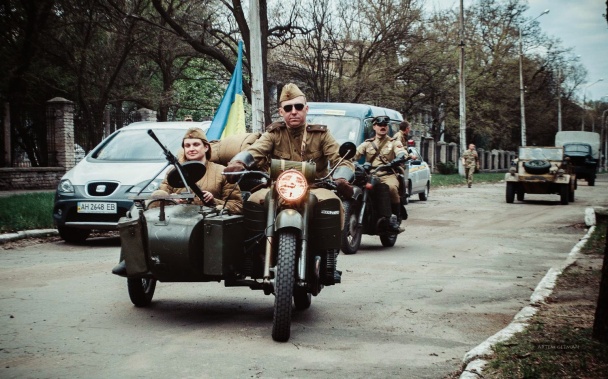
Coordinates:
[543,153]
[342,128]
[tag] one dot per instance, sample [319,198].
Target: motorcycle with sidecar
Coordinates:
[287,247]
[368,210]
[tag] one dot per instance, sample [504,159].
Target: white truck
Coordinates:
[583,150]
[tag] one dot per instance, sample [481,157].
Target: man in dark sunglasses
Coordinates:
[378,151]
[295,140]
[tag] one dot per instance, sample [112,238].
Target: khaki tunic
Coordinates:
[399,136]
[214,182]
[391,149]
[281,142]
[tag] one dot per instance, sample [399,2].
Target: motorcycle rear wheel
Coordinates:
[301,299]
[351,234]
[388,240]
[283,286]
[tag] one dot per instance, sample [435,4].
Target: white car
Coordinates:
[94,194]
[419,176]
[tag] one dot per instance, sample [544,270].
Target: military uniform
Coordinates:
[401,137]
[224,193]
[382,150]
[305,143]
[471,162]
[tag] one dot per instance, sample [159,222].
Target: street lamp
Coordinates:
[585,100]
[521,81]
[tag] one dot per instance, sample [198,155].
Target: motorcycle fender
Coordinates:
[288,218]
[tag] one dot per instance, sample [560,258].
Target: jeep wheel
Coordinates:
[564,194]
[571,196]
[510,192]
[591,181]
[537,166]
[520,194]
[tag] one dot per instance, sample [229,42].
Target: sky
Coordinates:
[579,24]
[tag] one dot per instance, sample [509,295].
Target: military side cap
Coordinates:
[290,91]
[196,133]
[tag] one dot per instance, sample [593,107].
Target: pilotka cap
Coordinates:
[199,134]
[290,91]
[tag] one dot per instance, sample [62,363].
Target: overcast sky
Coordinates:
[580,25]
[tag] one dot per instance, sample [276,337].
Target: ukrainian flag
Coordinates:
[229,118]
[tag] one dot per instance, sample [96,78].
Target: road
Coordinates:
[466,264]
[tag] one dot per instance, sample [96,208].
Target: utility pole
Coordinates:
[462,108]
[257,86]
[559,99]
[521,81]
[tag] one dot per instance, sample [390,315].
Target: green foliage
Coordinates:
[447,168]
[26,211]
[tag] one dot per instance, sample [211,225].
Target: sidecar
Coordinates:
[184,243]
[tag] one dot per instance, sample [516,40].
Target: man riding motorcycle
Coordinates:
[294,140]
[381,150]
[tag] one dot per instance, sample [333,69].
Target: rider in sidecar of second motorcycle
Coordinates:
[382,150]
[294,140]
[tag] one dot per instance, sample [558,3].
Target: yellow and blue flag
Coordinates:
[229,118]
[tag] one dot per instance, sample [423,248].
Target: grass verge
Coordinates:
[26,211]
[440,180]
[558,343]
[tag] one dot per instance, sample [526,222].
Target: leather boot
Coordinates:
[394,223]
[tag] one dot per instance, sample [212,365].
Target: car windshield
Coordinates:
[577,148]
[543,153]
[137,145]
[342,128]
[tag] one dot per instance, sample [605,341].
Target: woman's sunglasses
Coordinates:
[289,107]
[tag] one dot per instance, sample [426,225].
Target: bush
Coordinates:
[447,168]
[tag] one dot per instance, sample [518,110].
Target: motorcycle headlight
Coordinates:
[153,186]
[65,187]
[291,185]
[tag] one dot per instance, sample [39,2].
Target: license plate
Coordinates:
[96,207]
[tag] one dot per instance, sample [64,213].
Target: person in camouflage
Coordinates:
[470,162]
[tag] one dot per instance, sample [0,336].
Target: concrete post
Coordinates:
[61,112]
[443,151]
[482,158]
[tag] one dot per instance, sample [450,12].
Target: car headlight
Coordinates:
[65,187]
[291,185]
[151,187]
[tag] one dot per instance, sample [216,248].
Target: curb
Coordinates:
[7,237]
[476,358]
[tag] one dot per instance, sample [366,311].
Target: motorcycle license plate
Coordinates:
[96,207]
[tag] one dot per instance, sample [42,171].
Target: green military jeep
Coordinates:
[541,170]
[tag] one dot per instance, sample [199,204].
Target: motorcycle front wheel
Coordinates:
[283,285]
[351,234]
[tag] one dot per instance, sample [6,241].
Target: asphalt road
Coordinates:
[466,264]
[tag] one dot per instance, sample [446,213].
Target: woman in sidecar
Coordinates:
[216,191]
